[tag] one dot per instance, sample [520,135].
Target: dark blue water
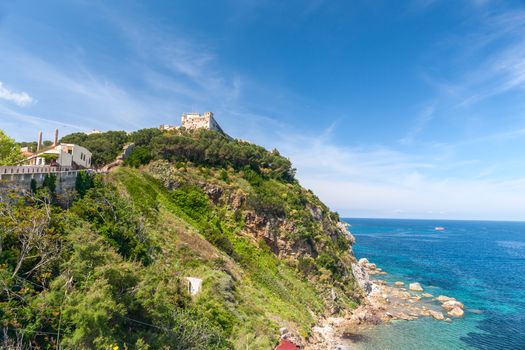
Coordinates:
[480,263]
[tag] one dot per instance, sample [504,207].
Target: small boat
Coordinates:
[439,228]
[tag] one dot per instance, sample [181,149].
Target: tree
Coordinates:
[139,156]
[83,183]
[9,151]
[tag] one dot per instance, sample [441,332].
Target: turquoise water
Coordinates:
[480,263]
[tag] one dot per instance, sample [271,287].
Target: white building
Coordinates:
[63,155]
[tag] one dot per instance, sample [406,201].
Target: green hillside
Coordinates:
[109,268]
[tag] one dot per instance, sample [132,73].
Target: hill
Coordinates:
[109,269]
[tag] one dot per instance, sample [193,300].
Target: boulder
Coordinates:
[416,287]
[443,298]
[451,304]
[437,315]
[456,312]
[399,283]
[427,295]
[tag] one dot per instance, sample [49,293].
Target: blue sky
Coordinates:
[387,108]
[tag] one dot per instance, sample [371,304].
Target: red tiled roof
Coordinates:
[287,345]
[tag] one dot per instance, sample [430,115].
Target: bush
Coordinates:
[83,182]
[140,155]
[50,182]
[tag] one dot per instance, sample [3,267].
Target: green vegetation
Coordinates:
[200,147]
[9,151]
[109,269]
[105,147]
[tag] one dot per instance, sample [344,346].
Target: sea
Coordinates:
[480,263]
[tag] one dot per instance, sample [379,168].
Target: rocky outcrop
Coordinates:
[451,304]
[437,315]
[416,287]
[278,234]
[383,302]
[456,312]
[362,278]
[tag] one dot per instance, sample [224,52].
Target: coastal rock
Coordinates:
[416,287]
[399,284]
[452,304]
[363,262]
[437,315]
[425,312]
[427,295]
[443,298]
[362,278]
[456,312]
[343,227]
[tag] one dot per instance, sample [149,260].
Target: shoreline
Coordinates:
[383,303]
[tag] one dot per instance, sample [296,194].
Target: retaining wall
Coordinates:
[19,177]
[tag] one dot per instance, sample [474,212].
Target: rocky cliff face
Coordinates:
[298,227]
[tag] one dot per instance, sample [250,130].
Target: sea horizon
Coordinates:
[431,219]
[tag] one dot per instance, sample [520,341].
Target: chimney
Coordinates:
[56,138]
[39,144]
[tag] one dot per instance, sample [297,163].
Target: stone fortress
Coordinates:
[193,120]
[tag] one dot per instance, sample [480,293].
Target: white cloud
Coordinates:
[21,99]
[380,182]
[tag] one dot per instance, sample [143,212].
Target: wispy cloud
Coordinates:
[493,57]
[21,99]
[380,182]
[422,120]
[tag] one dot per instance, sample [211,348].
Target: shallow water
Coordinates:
[480,263]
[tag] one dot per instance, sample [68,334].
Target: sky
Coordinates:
[398,109]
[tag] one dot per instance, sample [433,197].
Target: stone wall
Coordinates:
[19,177]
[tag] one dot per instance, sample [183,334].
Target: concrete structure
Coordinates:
[194,285]
[65,155]
[192,121]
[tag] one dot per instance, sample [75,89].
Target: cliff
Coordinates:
[112,269]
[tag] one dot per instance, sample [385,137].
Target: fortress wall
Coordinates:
[20,178]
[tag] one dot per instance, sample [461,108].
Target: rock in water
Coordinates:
[437,315]
[451,304]
[427,295]
[416,287]
[399,284]
[456,312]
